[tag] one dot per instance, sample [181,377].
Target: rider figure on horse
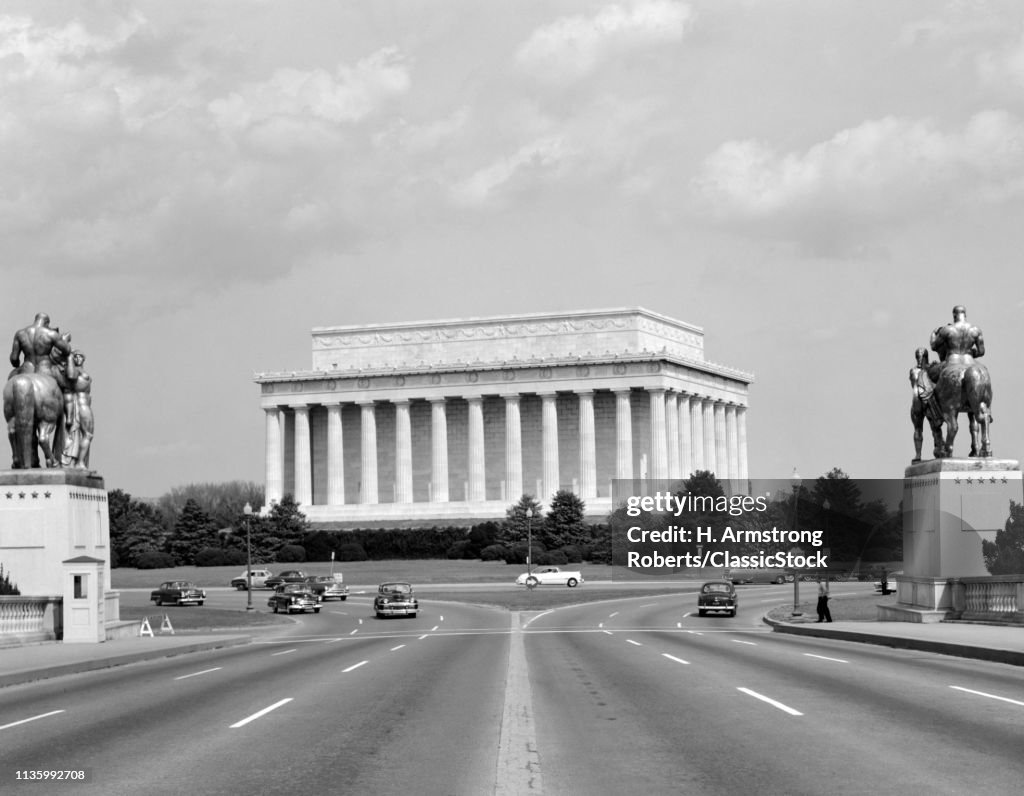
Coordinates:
[958,343]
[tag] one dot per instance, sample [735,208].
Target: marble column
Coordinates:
[274,462]
[659,452]
[439,450]
[741,444]
[335,457]
[303,463]
[403,452]
[685,438]
[623,435]
[710,463]
[477,482]
[513,450]
[588,446]
[282,422]
[672,432]
[368,487]
[732,445]
[721,443]
[549,445]
[697,432]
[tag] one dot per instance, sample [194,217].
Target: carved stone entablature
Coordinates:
[541,337]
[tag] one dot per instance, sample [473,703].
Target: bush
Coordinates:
[555,558]
[6,587]
[219,557]
[350,551]
[494,552]
[460,549]
[517,554]
[155,560]
[573,554]
[290,554]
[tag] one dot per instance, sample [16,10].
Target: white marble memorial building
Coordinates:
[452,421]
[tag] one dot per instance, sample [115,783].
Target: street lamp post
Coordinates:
[825,506]
[796,527]
[529,543]
[247,511]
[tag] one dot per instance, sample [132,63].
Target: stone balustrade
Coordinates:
[997,598]
[26,620]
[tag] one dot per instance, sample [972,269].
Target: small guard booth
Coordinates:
[83,600]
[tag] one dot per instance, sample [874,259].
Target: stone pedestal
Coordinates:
[48,517]
[949,507]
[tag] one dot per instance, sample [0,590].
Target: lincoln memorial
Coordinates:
[452,421]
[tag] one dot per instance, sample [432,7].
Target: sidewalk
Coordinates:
[1000,643]
[55,658]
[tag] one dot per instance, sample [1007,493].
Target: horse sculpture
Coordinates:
[967,390]
[34,410]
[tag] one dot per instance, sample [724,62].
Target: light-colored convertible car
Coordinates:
[550,576]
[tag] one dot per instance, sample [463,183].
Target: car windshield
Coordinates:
[710,588]
[401,588]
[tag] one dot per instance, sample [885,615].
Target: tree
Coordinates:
[135,528]
[193,531]
[222,502]
[290,525]
[515,527]
[1005,556]
[564,523]
[6,587]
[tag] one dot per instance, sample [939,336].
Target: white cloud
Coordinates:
[881,168]
[541,158]
[572,47]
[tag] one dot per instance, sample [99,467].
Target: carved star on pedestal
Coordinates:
[1004,479]
[956,480]
[21,495]
[46,495]
[992,480]
[35,495]
[969,481]
[10,495]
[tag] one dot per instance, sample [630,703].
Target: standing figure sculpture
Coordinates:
[78,420]
[33,400]
[924,405]
[962,384]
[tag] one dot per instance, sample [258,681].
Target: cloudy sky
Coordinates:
[190,187]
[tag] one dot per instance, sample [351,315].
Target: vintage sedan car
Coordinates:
[178,592]
[288,576]
[395,599]
[328,587]
[776,576]
[258,576]
[717,595]
[550,576]
[291,597]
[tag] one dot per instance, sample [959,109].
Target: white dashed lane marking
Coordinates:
[772,702]
[260,713]
[967,691]
[31,718]
[354,666]
[196,674]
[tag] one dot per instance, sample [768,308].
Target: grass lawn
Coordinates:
[863,608]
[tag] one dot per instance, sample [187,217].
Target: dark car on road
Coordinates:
[717,595]
[178,592]
[395,599]
[291,597]
[328,587]
[288,576]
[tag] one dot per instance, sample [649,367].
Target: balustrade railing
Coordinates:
[25,619]
[997,598]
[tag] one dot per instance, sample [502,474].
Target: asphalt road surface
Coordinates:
[623,696]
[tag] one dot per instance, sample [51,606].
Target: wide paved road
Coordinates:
[625,696]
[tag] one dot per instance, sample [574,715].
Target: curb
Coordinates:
[77,667]
[1012,657]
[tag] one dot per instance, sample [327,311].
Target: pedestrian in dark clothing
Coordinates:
[824,615]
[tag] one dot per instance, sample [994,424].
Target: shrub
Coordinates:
[517,554]
[350,551]
[552,558]
[6,587]
[460,549]
[573,554]
[291,553]
[219,556]
[154,559]
[494,552]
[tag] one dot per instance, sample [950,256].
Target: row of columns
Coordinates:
[688,433]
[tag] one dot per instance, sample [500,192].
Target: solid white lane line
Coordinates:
[196,674]
[737,641]
[285,652]
[674,658]
[694,632]
[263,712]
[649,605]
[967,690]
[608,632]
[397,648]
[33,718]
[770,701]
[354,666]
[634,643]
[824,657]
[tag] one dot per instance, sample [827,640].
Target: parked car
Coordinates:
[328,587]
[717,595]
[259,579]
[178,592]
[776,576]
[288,576]
[395,599]
[291,597]
[550,576]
